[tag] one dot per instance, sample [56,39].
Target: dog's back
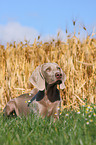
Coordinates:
[18,106]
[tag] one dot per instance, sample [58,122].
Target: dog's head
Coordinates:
[50,73]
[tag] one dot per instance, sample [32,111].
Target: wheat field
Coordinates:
[76,58]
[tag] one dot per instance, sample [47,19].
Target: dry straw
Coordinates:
[76,58]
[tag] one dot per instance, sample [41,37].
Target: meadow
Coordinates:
[77,123]
[73,128]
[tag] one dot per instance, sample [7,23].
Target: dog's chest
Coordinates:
[46,102]
[46,107]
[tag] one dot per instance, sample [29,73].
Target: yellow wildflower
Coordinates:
[60,113]
[87,122]
[90,110]
[91,120]
[89,116]
[87,109]
[86,112]
[55,113]
[78,112]
[83,104]
[67,114]
[58,108]
[88,106]
[29,94]
[28,101]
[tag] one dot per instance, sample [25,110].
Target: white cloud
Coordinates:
[14,31]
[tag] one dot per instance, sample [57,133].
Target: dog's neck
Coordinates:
[52,92]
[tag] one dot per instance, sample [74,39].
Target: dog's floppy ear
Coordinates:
[62,86]
[37,78]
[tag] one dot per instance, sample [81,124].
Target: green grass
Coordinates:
[73,128]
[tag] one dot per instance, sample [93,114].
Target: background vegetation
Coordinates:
[76,58]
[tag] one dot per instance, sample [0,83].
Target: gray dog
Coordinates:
[45,98]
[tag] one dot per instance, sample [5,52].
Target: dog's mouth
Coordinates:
[58,81]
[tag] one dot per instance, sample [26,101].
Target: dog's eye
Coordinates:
[48,69]
[58,68]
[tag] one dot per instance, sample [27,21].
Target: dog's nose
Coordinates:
[58,75]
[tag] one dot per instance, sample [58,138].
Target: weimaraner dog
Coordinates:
[45,98]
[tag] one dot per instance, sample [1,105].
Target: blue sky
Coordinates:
[21,19]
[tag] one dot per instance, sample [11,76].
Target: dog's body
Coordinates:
[45,99]
[18,106]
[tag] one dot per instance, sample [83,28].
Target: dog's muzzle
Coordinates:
[58,78]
